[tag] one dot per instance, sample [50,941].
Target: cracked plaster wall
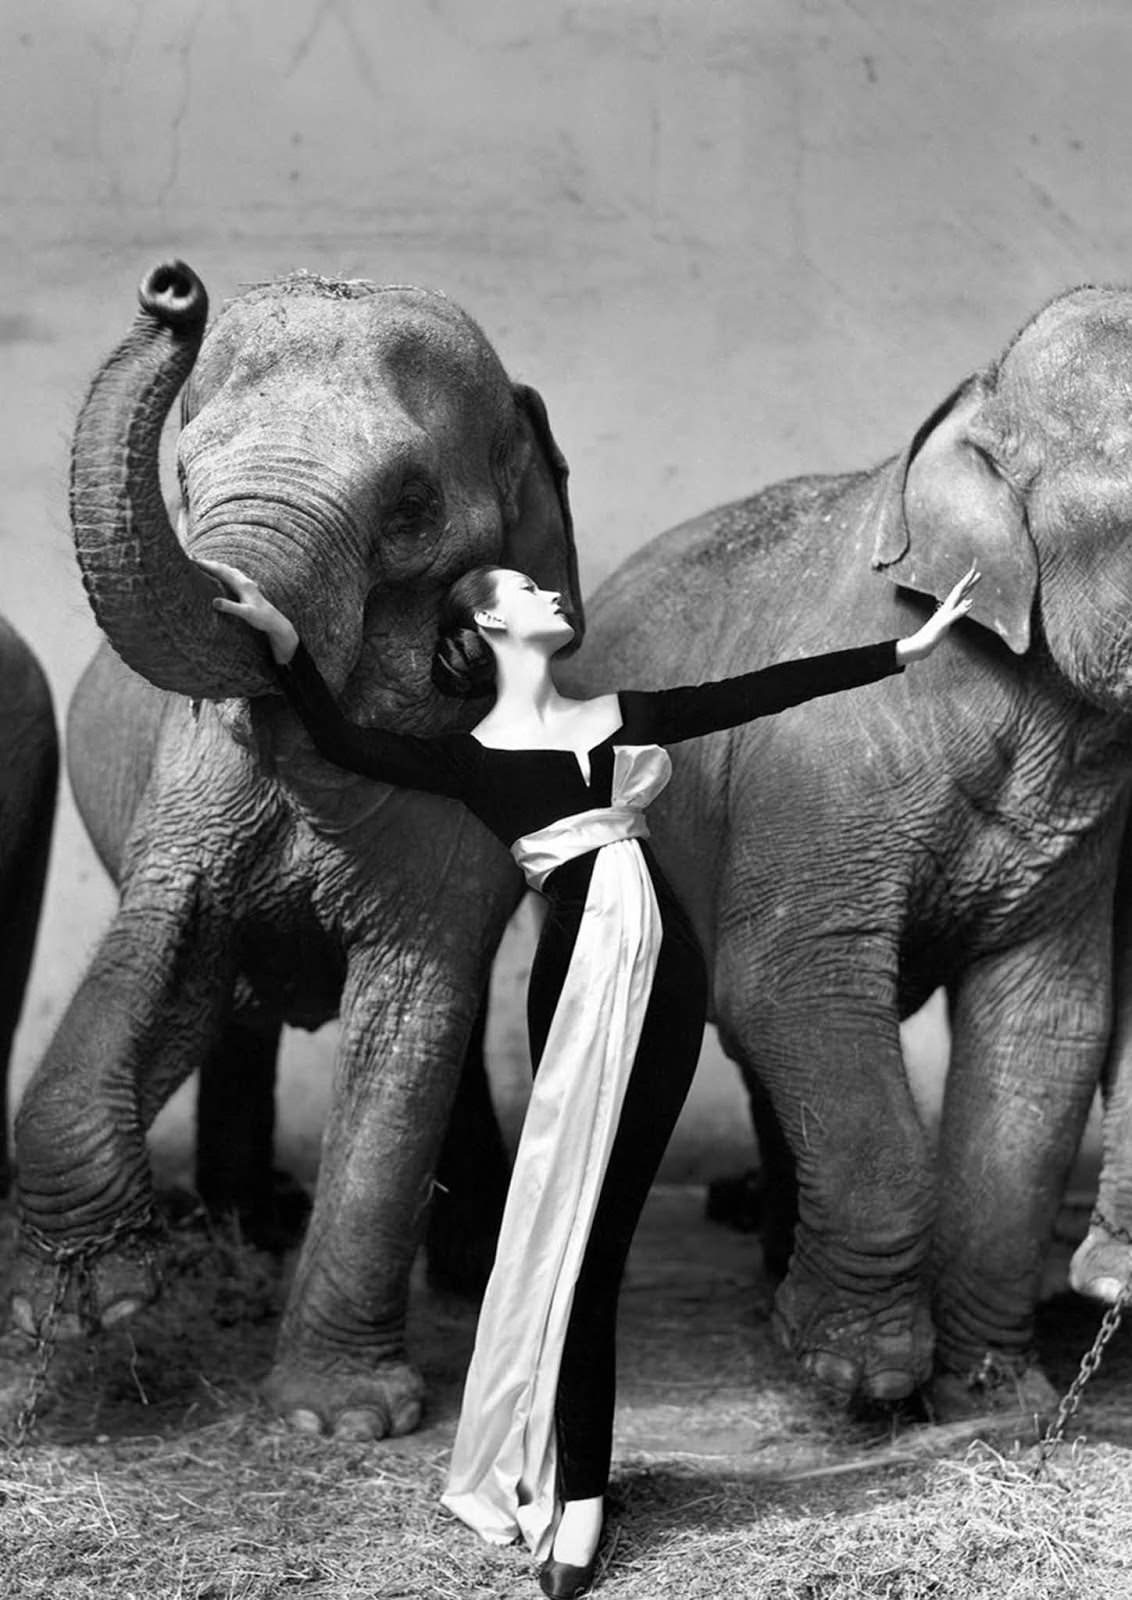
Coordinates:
[729,242]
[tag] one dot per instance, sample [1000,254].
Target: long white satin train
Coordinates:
[502,1475]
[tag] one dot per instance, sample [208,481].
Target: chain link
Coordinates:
[88,1245]
[44,1353]
[1115,1230]
[71,1261]
[1091,1360]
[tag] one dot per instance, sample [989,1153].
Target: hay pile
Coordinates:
[156,1474]
[239,1510]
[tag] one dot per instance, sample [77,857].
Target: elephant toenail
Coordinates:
[406,1417]
[304,1421]
[1105,1289]
[121,1311]
[23,1316]
[889,1385]
[361,1423]
[832,1372]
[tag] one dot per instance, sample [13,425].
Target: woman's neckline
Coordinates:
[547,749]
[558,749]
[581,757]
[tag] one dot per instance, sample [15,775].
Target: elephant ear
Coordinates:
[539,536]
[945,505]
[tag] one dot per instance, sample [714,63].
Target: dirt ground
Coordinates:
[154,1463]
[702,1380]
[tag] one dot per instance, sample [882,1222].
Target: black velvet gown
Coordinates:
[516,793]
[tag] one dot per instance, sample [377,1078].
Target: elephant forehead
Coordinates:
[403,336]
[1072,367]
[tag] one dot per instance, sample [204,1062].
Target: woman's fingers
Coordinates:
[232,576]
[244,598]
[962,597]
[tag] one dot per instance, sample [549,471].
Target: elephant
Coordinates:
[1101,1267]
[961,825]
[27,814]
[355,448]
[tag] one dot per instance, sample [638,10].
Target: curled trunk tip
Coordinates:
[172,293]
[152,602]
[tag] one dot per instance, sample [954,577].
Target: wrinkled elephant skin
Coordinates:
[355,449]
[1102,1264]
[960,825]
[27,812]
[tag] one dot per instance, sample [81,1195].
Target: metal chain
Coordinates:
[71,1260]
[44,1353]
[1097,1219]
[1091,1360]
[90,1244]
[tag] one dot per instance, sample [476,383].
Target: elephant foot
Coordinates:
[857,1352]
[1102,1262]
[349,1399]
[84,1295]
[1013,1388]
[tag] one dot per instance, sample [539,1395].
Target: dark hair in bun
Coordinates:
[463,664]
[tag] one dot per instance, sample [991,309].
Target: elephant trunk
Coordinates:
[151,601]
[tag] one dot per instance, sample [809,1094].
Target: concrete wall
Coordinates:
[729,241]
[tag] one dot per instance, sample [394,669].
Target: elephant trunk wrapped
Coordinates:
[151,601]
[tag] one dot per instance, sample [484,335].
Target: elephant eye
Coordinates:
[415,511]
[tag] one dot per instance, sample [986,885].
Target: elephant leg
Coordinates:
[341,1362]
[1102,1263]
[776,1189]
[471,1180]
[1029,1028]
[778,1211]
[852,1308]
[235,1172]
[22,876]
[137,1026]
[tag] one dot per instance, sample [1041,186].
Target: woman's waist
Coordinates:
[578,836]
[565,893]
[569,883]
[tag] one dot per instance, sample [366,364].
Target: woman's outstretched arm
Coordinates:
[666,716]
[404,759]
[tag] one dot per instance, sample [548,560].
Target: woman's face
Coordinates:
[527,612]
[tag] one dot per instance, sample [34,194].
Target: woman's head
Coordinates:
[463,663]
[489,609]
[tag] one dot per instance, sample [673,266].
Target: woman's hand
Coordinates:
[957,604]
[254,608]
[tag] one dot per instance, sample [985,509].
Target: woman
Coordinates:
[616,1007]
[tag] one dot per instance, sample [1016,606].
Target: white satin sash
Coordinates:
[502,1475]
[539,853]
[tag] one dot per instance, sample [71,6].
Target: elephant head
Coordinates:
[352,447]
[1027,469]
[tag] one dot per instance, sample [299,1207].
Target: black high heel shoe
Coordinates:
[561,1581]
